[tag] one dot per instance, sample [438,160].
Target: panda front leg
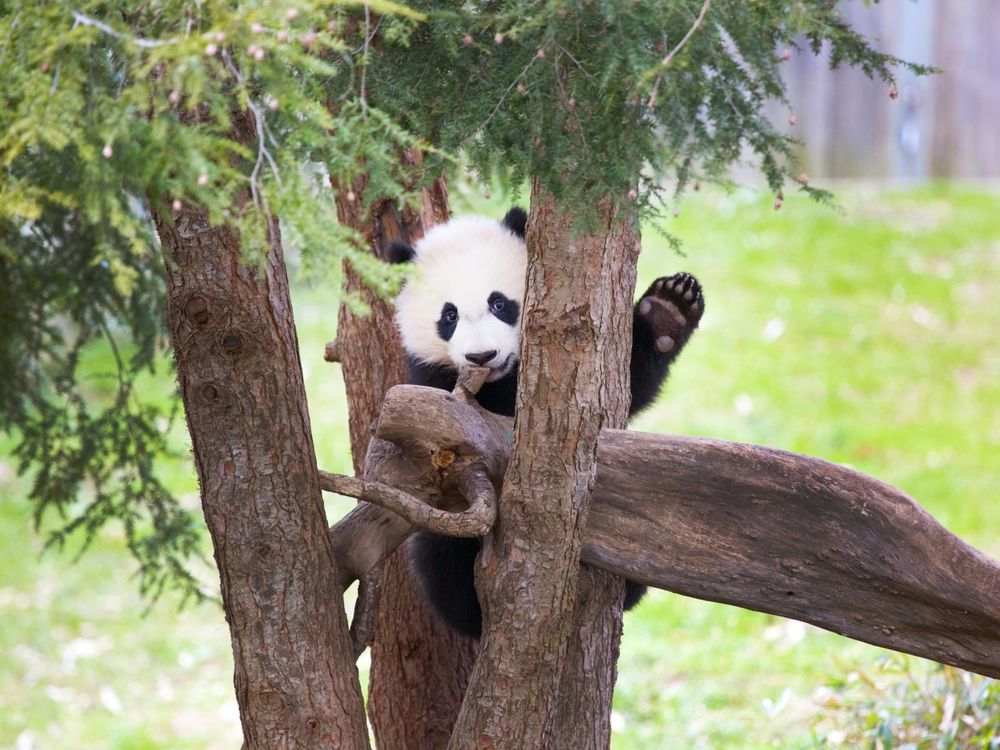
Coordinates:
[662,322]
[444,567]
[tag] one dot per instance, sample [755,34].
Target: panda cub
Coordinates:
[462,307]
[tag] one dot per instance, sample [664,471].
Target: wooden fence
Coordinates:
[946,125]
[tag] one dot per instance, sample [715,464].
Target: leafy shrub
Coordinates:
[902,705]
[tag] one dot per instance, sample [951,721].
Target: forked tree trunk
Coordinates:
[419,667]
[241,381]
[574,381]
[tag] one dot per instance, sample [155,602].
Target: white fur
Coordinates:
[463,261]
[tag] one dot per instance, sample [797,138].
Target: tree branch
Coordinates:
[670,56]
[366,609]
[795,536]
[473,483]
[84,20]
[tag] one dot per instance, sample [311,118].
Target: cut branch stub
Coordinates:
[331,353]
[470,380]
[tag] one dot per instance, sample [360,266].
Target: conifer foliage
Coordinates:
[632,99]
[114,110]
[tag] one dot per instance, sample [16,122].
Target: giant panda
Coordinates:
[462,307]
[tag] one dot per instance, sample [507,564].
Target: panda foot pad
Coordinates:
[672,307]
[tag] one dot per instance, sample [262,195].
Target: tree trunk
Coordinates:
[419,667]
[241,381]
[574,380]
[367,346]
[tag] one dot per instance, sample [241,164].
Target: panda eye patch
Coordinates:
[503,308]
[448,321]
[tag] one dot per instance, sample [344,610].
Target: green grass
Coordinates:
[868,336]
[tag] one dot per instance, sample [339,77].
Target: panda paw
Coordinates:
[672,307]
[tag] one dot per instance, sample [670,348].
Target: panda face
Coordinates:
[486,335]
[463,304]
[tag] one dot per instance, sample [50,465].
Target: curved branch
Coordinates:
[472,482]
[795,536]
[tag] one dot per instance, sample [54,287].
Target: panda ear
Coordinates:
[516,221]
[399,252]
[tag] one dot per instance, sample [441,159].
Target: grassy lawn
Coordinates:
[867,335]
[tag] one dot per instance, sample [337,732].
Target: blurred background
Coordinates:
[941,126]
[867,333]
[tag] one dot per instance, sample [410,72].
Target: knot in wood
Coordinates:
[232,342]
[196,310]
[209,392]
[443,458]
[332,352]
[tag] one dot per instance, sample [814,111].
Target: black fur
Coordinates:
[497,397]
[516,221]
[649,367]
[399,252]
[444,565]
[445,568]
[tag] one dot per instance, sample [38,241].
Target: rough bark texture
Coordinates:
[241,381]
[740,524]
[587,684]
[573,381]
[368,347]
[419,667]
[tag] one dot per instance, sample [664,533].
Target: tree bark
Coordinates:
[574,380]
[241,381]
[419,667]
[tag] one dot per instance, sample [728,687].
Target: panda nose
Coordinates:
[481,358]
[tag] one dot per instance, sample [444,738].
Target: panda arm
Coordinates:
[433,376]
[662,322]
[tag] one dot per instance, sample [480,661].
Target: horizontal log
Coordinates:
[795,536]
[755,527]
